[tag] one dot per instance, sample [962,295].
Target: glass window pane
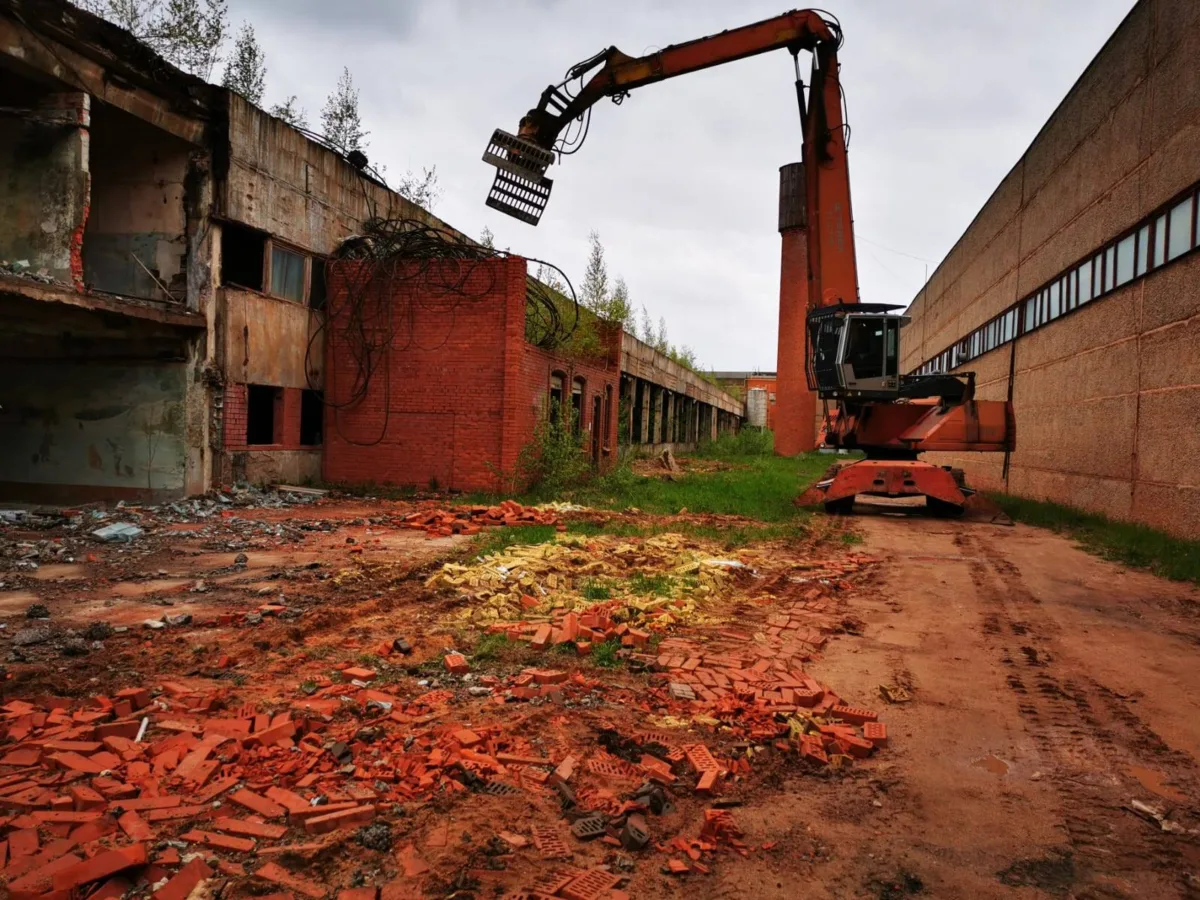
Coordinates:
[1143,249]
[1125,259]
[287,274]
[1179,232]
[1085,282]
[1110,268]
[1160,241]
[1054,309]
[1069,295]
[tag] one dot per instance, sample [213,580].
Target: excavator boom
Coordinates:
[521,188]
[852,349]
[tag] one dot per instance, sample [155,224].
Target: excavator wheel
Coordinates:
[841,507]
[942,509]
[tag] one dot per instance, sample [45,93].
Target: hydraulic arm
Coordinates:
[559,123]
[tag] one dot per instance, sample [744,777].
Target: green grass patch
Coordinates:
[605,655]
[756,486]
[594,589]
[657,585]
[1129,543]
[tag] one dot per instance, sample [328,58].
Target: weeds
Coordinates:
[491,647]
[596,590]
[659,585]
[747,442]
[554,460]
[1131,544]
[605,655]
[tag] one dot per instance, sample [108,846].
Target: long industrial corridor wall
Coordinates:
[1107,388]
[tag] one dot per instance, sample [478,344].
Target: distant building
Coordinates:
[741,384]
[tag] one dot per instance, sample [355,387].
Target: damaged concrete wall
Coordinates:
[271,341]
[93,431]
[281,182]
[135,243]
[43,177]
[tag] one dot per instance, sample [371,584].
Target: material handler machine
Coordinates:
[852,349]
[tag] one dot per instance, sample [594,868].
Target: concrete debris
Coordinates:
[28,637]
[37,611]
[118,531]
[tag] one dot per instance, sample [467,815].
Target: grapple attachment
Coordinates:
[521,188]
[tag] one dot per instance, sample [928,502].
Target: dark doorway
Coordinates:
[261,403]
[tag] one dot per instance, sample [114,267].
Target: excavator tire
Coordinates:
[841,507]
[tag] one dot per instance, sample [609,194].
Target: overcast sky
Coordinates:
[681,181]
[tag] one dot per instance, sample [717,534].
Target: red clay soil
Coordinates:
[1049,691]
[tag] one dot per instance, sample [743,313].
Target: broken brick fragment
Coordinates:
[456,664]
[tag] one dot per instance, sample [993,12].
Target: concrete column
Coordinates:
[648,401]
[45,192]
[796,405]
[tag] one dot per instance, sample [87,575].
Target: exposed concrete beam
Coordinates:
[49,293]
[640,360]
[72,68]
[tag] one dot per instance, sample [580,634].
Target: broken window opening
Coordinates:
[316,289]
[556,396]
[596,429]
[262,404]
[287,273]
[135,238]
[578,386]
[243,252]
[608,413]
[312,418]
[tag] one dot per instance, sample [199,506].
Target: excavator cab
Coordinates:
[853,351]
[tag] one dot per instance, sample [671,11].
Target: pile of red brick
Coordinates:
[443,522]
[593,625]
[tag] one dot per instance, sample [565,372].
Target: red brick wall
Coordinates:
[536,371]
[456,394]
[286,420]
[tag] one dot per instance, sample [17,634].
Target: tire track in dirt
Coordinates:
[1091,738]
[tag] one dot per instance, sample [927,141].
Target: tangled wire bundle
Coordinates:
[406,264]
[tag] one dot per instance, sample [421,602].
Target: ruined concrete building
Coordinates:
[162,287]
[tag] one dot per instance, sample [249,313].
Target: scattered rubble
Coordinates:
[658,682]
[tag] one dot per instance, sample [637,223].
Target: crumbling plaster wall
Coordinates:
[92,431]
[43,177]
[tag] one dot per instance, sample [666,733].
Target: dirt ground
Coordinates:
[1049,691]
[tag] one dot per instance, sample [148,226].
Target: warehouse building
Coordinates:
[1076,289]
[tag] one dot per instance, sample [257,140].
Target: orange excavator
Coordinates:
[852,349]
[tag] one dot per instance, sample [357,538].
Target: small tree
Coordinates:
[647,330]
[340,119]
[187,33]
[620,309]
[661,344]
[487,239]
[593,292]
[291,112]
[191,34]
[422,189]
[246,71]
